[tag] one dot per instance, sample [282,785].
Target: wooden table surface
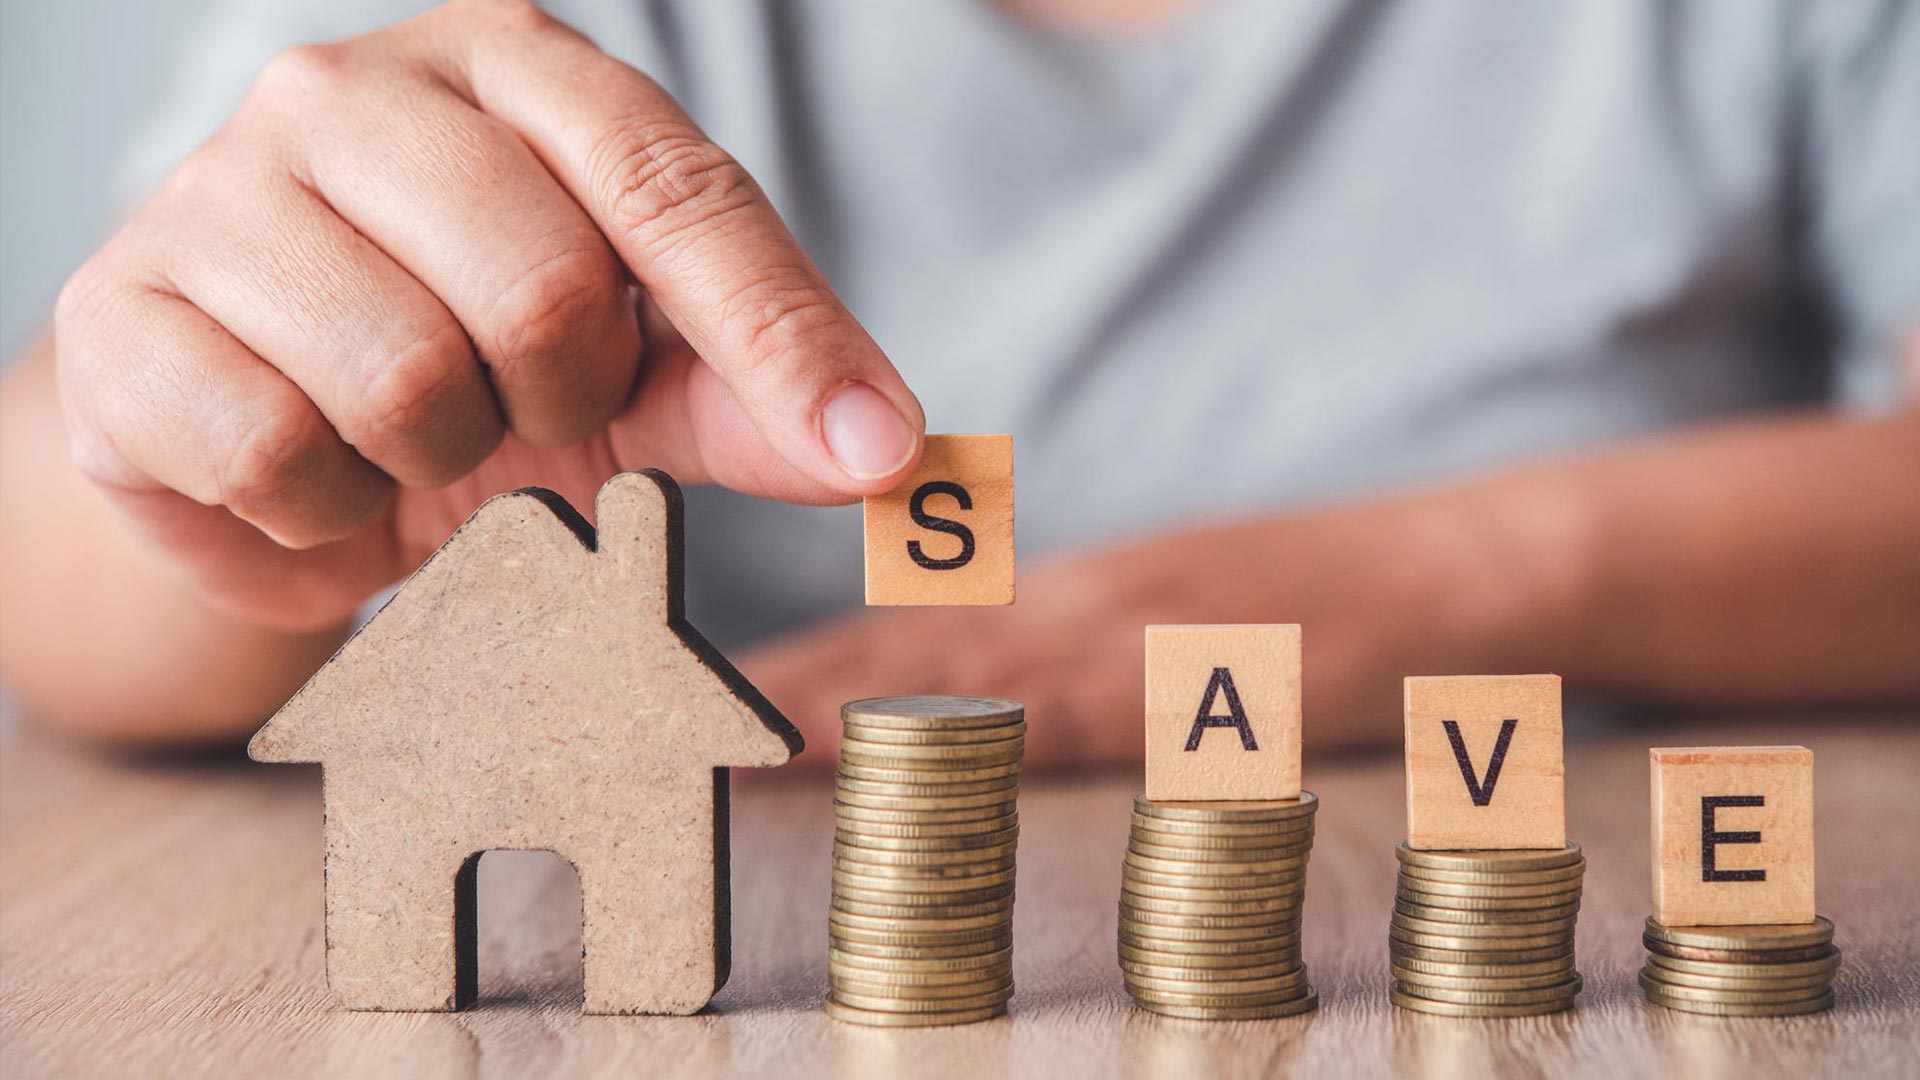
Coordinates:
[163,920]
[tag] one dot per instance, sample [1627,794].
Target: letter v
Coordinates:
[1480,791]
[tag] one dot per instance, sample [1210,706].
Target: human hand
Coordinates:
[1383,591]
[422,266]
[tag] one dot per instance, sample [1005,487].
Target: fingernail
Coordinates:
[865,433]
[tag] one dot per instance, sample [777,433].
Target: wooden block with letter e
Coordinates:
[945,535]
[1486,767]
[1732,835]
[1223,712]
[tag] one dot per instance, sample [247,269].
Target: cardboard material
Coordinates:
[1486,766]
[1223,712]
[534,685]
[1732,835]
[945,536]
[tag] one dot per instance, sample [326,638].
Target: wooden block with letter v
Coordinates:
[1223,712]
[1486,768]
[945,535]
[1732,835]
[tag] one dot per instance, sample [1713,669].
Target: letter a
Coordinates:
[1221,683]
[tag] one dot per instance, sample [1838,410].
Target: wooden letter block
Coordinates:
[945,535]
[534,685]
[1732,835]
[1486,766]
[1223,712]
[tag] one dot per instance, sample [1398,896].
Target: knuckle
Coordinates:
[552,307]
[511,14]
[268,454]
[775,323]
[660,180]
[302,71]
[413,389]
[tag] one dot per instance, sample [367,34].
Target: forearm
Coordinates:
[1768,562]
[96,639]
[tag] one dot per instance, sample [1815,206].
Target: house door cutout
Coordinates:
[517,929]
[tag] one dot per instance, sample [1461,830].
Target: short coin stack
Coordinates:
[1741,970]
[921,927]
[1486,933]
[1210,902]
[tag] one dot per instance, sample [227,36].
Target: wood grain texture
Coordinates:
[1510,789]
[1764,827]
[1223,712]
[945,535]
[163,920]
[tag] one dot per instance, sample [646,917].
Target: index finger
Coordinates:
[702,239]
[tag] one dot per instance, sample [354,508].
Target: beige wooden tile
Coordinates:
[1485,765]
[1223,712]
[945,535]
[1732,835]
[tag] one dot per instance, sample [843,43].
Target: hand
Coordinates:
[1382,591]
[420,267]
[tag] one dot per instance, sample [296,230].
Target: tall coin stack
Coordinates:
[1486,933]
[1741,970]
[1210,901]
[920,930]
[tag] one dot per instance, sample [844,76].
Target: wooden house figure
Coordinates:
[534,685]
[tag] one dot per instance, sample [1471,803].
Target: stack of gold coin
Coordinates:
[1486,933]
[1741,970]
[921,927]
[1210,901]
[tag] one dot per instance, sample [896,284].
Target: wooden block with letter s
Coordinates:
[1732,835]
[1486,765]
[945,535]
[1223,712]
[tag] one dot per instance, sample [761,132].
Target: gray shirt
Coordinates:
[1285,250]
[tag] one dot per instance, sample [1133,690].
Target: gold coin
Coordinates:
[1234,830]
[1154,969]
[1228,810]
[1138,917]
[919,923]
[1427,876]
[945,736]
[933,757]
[932,711]
[920,965]
[1721,1008]
[996,935]
[1483,917]
[1820,980]
[969,767]
[948,851]
[1418,968]
[1306,1003]
[942,910]
[931,812]
[971,945]
[1130,887]
[907,777]
[927,830]
[1565,990]
[1165,945]
[1482,945]
[1299,841]
[1489,895]
[1261,987]
[1290,879]
[1744,938]
[857,991]
[1482,931]
[1177,866]
[1176,965]
[1148,935]
[1477,956]
[888,1003]
[1264,858]
[870,1018]
[979,977]
[863,895]
[1453,1008]
[1202,1000]
[921,865]
[1416,980]
[1673,991]
[847,787]
[1739,956]
[1188,906]
[1825,966]
[1490,860]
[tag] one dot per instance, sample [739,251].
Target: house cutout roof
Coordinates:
[532,635]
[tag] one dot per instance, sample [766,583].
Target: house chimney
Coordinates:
[637,519]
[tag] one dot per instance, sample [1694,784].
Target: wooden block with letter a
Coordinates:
[1486,766]
[945,535]
[1732,835]
[1223,712]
